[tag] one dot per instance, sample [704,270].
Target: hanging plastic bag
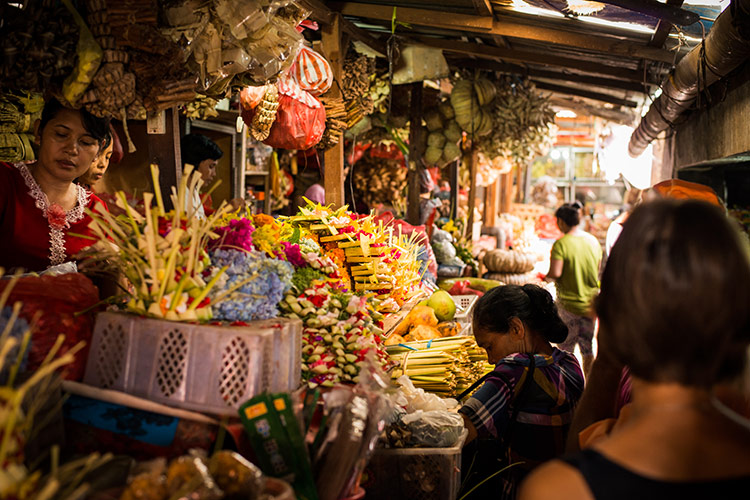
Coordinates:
[312,72]
[300,119]
[89,57]
[251,96]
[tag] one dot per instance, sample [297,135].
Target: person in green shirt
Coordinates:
[574,267]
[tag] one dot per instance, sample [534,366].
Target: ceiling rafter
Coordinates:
[505,27]
[588,94]
[583,108]
[525,56]
[483,7]
[670,13]
[597,81]
[663,27]
[323,14]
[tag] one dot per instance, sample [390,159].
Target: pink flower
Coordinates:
[57,217]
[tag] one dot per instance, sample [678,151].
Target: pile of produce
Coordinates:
[377,260]
[522,122]
[446,366]
[430,319]
[381,181]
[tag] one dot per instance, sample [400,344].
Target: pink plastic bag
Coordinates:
[300,119]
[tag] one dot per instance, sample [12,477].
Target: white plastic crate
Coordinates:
[206,368]
[415,473]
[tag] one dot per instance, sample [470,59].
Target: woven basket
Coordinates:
[513,278]
[509,261]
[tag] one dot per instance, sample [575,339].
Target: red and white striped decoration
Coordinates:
[312,72]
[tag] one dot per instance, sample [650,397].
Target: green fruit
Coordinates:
[443,305]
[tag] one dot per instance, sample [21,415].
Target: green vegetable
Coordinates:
[304,277]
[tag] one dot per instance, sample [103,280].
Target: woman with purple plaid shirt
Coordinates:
[527,401]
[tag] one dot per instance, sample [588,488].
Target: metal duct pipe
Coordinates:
[726,47]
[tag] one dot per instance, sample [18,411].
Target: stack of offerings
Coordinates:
[445,366]
[378,261]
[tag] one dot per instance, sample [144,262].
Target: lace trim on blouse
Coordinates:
[57,253]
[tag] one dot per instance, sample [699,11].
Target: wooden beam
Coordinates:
[515,28]
[519,182]
[525,56]
[596,43]
[483,7]
[597,96]
[514,69]
[417,17]
[506,192]
[324,15]
[453,181]
[333,158]
[585,109]
[415,151]
[473,166]
[164,150]
[663,28]
[654,8]
[490,204]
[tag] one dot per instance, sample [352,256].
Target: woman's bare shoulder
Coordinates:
[555,480]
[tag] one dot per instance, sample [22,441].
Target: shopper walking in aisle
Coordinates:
[674,309]
[574,267]
[526,402]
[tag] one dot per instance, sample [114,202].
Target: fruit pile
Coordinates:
[430,319]
[467,110]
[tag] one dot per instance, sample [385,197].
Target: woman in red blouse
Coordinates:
[42,217]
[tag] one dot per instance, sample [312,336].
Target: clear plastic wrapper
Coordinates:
[414,399]
[242,18]
[188,478]
[434,429]
[354,418]
[235,475]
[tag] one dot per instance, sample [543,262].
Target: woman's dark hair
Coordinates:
[530,303]
[107,140]
[675,295]
[197,147]
[97,127]
[569,213]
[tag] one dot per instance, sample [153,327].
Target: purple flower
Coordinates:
[237,234]
[294,254]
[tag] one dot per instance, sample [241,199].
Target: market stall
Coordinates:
[301,328]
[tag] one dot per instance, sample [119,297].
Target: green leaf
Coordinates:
[295,236]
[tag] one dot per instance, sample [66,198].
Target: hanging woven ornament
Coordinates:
[584,7]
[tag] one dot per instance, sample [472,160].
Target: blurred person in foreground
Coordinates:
[682,326]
